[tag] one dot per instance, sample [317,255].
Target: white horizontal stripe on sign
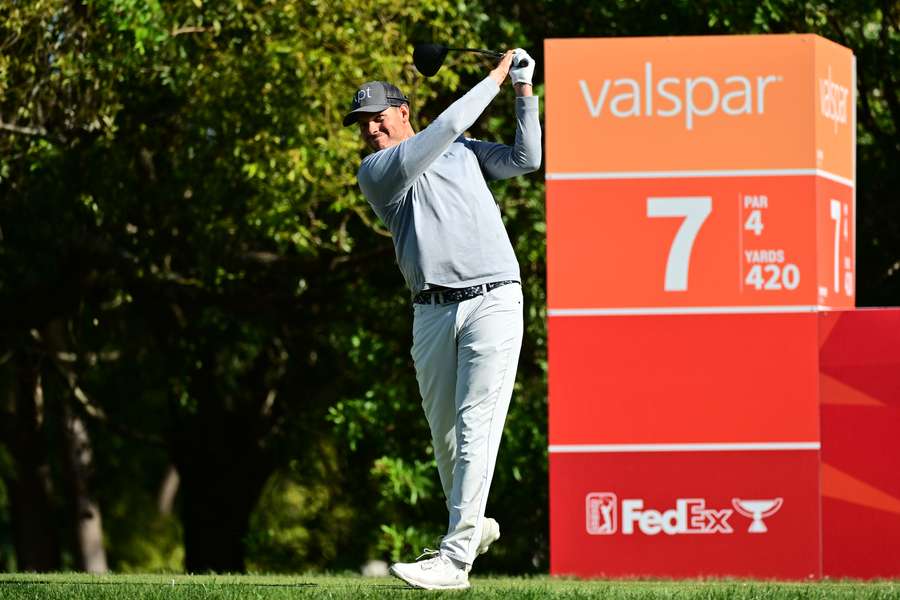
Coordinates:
[681,310]
[715,447]
[835,178]
[710,173]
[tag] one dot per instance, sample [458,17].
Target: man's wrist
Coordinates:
[498,77]
[524,89]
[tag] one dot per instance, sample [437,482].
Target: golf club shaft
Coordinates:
[493,53]
[479,50]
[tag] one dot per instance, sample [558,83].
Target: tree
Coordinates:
[28,480]
[203,213]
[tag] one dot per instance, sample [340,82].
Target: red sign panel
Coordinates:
[860,395]
[683,379]
[743,514]
[737,241]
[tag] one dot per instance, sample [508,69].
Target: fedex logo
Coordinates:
[689,516]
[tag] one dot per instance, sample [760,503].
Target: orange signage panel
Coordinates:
[698,172]
[835,110]
[687,103]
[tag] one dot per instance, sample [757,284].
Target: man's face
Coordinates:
[385,129]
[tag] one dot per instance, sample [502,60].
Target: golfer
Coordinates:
[430,189]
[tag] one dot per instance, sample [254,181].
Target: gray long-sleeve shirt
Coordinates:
[430,191]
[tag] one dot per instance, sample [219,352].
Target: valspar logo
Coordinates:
[691,97]
[833,103]
[688,516]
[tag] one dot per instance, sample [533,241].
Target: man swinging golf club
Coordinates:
[430,189]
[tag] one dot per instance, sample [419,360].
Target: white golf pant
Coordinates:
[466,356]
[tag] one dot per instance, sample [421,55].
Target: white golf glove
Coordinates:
[521,74]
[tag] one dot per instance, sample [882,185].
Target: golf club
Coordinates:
[428,58]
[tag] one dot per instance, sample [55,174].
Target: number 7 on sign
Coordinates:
[695,210]
[836,217]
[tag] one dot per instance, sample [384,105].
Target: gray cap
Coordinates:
[374,97]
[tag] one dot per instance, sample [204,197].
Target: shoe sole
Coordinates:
[422,586]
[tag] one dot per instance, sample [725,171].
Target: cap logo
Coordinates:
[374,96]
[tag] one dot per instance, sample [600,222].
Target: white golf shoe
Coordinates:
[435,573]
[490,533]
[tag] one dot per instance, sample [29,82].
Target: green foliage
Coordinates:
[398,543]
[402,482]
[301,522]
[151,545]
[139,537]
[182,184]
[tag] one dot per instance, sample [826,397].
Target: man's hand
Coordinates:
[500,72]
[521,74]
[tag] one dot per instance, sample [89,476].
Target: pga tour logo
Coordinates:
[689,516]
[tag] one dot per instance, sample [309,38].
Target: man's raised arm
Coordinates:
[396,168]
[500,161]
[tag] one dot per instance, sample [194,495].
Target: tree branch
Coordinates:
[188,29]
[39,132]
[53,338]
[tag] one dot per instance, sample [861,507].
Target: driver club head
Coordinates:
[428,58]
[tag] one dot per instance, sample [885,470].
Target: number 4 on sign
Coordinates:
[754,222]
[694,210]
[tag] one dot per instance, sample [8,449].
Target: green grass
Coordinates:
[262,587]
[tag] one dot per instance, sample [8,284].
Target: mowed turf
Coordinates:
[241,587]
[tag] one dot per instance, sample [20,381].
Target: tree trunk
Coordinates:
[79,461]
[224,462]
[79,466]
[168,490]
[216,504]
[34,532]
